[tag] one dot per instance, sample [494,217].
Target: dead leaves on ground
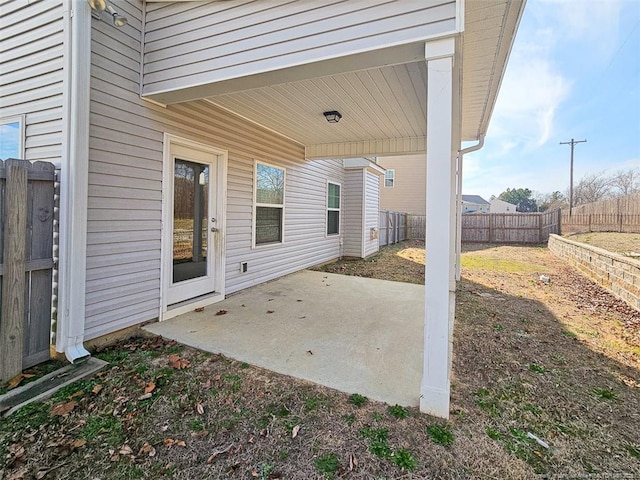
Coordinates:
[178,363]
[171,442]
[17,380]
[64,408]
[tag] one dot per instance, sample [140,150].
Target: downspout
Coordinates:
[74,181]
[461,153]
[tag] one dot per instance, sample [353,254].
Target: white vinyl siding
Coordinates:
[353,221]
[125,187]
[189,44]
[31,74]
[371,211]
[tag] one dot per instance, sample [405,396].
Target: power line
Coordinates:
[573,144]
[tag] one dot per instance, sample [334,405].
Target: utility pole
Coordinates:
[573,144]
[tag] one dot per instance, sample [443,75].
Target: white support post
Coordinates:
[440,228]
[74,174]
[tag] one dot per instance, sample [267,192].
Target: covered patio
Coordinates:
[357,335]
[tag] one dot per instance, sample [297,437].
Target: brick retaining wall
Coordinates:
[618,274]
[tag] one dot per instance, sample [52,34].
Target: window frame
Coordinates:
[19,119]
[256,204]
[330,209]
[393,178]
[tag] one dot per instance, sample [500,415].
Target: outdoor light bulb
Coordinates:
[119,21]
[97,5]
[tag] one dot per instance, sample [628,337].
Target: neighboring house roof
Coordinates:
[477,199]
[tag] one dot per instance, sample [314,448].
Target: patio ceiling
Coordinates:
[386,103]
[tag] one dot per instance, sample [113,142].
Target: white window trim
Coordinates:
[19,119]
[270,205]
[327,209]
[393,178]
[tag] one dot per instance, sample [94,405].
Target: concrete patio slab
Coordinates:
[357,335]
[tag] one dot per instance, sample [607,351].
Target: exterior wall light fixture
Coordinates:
[332,116]
[100,7]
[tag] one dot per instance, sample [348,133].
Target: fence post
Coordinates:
[388,224]
[559,220]
[490,227]
[13,279]
[619,221]
[406,226]
[589,223]
[540,227]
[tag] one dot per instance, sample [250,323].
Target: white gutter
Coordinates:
[461,153]
[74,174]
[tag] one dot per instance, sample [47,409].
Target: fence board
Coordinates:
[13,280]
[35,236]
[620,214]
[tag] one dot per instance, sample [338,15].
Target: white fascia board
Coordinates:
[74,179]
[363,163]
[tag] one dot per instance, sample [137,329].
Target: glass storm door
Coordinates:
[192,227]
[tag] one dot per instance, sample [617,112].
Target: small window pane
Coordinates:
[334,196]
[270,184]
[333,222]
[10,140]
[268,225]
[389,178]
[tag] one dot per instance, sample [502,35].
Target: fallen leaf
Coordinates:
[201,434]
[125,450]
[146,396]
[170,442]
[200,408]
[213,456]
[78,443]
[96,389]
[63,408]
[17,380]
[254,473]
[178,363]
[150,388]
[147,449]
[270,311]
[274,476]
[199,309]
[221,312]
[294,432]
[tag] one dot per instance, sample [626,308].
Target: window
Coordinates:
[333,209]
[389,178]
[12,137]
[269,204]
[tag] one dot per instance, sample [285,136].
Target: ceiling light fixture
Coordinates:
[333,116]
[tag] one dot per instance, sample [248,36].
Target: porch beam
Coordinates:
[440,228]
[367,148]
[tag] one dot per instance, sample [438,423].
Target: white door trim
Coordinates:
[218,240]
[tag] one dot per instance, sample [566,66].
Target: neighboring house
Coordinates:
[500,206]
[195,158]
[474,204]
[404,187]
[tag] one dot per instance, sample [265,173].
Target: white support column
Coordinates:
[74,181]
[440,236]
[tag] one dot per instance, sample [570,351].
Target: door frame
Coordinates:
[218,241]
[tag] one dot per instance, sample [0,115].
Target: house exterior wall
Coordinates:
[352,223]
[31,74]
[235,38]
[371,211]
[468,207]
[409,191]
[500,206]
[125,187]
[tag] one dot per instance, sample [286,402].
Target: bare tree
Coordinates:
[592,188]
[626,182]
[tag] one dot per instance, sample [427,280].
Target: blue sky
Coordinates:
[574,72]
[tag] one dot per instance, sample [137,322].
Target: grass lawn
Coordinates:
[546,380]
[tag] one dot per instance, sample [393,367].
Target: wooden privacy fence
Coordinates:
[26,264]
[510,227]
[614,215]
[392,227]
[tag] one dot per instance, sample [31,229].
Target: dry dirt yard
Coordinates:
[623,243]
[545,383]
